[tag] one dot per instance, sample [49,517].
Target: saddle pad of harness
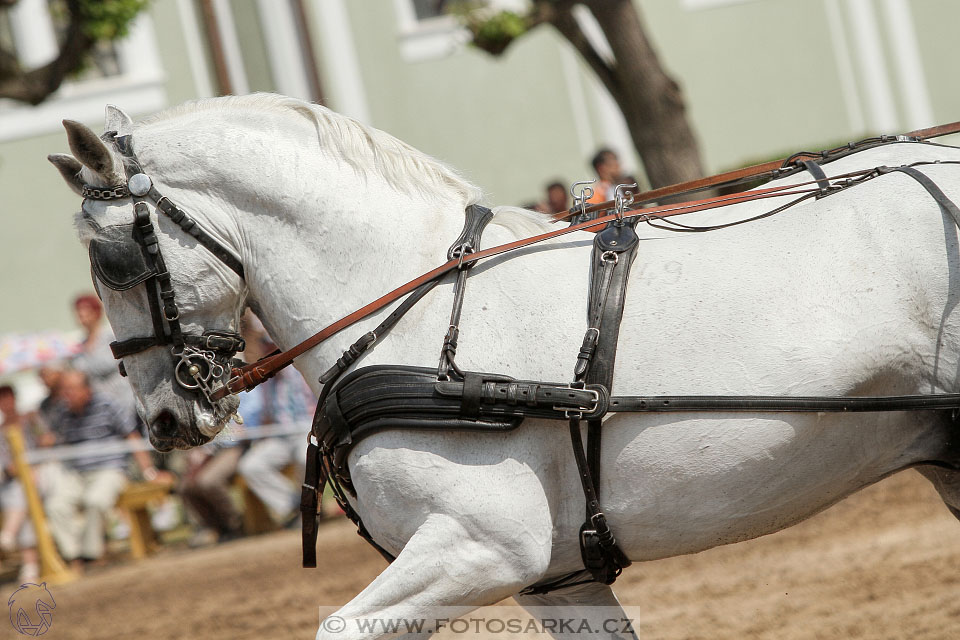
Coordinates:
[380,397]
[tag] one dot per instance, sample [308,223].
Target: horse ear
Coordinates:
[90,150]
[69,167]
[118,121]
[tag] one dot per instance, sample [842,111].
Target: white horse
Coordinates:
[853,294]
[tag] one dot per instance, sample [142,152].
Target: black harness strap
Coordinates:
[935,192]
[784,404]
[614,250]
[814,169]
[320,459]
[318,469]
[477,218]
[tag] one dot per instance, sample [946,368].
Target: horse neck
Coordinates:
[337,246]
[310,271]
[319,236]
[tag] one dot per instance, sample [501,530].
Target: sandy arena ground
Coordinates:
[884,564]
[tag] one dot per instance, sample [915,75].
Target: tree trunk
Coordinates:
[650,100]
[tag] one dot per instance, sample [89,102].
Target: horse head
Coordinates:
[172,287]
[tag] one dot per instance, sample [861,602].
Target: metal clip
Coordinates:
[460,252]
[623,198]
[581,195]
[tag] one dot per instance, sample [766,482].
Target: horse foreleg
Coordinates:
[445,570]
[584,610]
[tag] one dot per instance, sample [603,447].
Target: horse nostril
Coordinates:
[164,425]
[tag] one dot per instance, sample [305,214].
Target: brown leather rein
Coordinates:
[251,375]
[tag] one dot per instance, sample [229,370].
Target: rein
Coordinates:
[251,375]
[770,170]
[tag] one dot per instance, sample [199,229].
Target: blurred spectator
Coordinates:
[609,174]
[17,531]
[206,492]
[95,358]
[539,207]
[205,488]
[557,198]
[91,484]
[284,399]
[50,376]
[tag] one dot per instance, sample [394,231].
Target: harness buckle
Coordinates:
[579,412]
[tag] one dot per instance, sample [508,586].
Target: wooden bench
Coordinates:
[133,501]
[256,517]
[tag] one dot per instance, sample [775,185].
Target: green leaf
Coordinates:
[109,19]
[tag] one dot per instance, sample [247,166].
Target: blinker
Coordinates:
[117,259]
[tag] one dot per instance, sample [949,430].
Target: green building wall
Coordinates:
[760,79]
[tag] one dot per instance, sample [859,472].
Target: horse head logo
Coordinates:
[31,609]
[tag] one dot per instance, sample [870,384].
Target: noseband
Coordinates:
[123,256]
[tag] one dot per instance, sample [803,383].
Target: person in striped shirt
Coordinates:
[89,485]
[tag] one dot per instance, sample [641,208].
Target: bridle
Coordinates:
[124,256]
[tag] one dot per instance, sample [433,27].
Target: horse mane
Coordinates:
[402,166]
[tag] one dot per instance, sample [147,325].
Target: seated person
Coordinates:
[92,483]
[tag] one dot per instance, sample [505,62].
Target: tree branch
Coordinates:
[35,85]
[560,15]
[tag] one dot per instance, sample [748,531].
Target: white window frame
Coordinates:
[427,39]
[139,88]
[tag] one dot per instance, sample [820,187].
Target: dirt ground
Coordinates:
[884,564]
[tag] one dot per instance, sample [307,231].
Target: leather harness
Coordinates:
[400,397]
[450,398]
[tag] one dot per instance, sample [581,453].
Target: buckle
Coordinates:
[223,341]
[580,410]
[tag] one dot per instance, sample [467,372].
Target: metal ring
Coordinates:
[607,255]
[180,379]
